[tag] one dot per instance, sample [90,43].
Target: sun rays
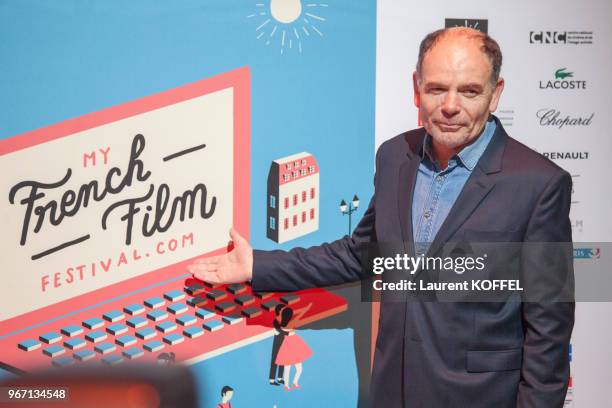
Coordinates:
[288,23]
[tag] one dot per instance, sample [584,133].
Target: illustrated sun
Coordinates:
[287,22]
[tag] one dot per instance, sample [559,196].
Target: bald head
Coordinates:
[456,34]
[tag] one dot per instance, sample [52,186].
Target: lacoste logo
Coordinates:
[561,74]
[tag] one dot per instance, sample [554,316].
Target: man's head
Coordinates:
[227,393]
[457,85]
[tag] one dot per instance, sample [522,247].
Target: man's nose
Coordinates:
[450,106]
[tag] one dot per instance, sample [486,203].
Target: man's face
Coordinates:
[455,93]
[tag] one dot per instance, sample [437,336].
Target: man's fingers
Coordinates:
[217,269]
[210,277]
[210,260]
[229,274]
[202,268]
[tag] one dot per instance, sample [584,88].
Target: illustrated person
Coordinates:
[227,393]
[293,350]
[459,177]
[276,371]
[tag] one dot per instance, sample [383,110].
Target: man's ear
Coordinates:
[499,87]
[415,88]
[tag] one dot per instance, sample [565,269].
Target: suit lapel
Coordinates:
[406,181]
[407,178]
[476,188]
[478,185]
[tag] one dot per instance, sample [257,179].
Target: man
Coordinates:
[461,177]
[276,375]
[227,393]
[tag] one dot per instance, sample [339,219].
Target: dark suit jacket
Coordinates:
[435,354]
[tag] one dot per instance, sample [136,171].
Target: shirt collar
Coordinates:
[469,155]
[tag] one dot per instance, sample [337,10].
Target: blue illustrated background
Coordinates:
[62,59]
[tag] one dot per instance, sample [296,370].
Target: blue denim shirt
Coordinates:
[436,190]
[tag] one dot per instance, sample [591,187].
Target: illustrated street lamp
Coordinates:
[349,209]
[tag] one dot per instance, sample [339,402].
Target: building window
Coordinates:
[272,201]
[286,223]
[311,169]
[304,172]
[312,193]
[296,164]
[296,174]
[303,196]
[272,223]
[286,177]
[312,213]
[294,220]
[303,217]
[295,199]
[288,166]
[286,202]
[303,162]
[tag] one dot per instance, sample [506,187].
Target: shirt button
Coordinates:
[427,214]
[439,178]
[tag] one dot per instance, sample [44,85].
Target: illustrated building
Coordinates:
[293,197]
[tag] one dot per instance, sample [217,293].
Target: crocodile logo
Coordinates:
[561,74]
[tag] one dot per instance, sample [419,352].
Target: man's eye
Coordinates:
[436,91]
[470,93]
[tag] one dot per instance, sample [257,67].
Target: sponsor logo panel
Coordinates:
[561,37]
[555,118]
[563,79]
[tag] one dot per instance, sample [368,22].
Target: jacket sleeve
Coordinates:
[548,312]
[324,265]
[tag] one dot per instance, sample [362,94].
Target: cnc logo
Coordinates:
[587,253]
[477,24]
[561,37]
[560,81]
[553,117]
[547,37]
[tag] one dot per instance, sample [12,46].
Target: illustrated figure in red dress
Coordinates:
[294,350]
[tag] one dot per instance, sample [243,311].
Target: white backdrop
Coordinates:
[528,65]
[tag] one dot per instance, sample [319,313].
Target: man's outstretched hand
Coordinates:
[233,267]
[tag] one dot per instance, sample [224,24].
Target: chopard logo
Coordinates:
[553,117]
